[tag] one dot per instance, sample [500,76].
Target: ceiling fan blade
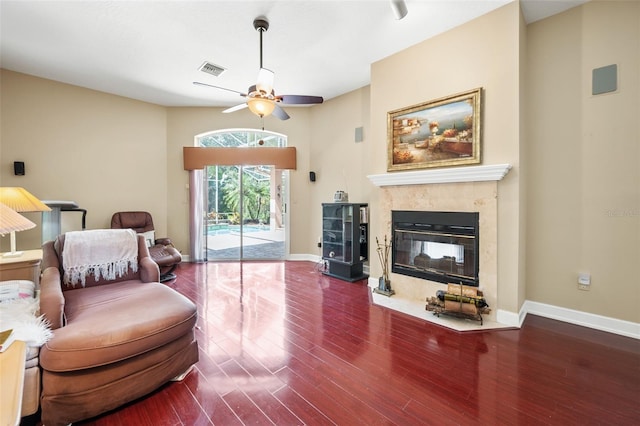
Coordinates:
[265,80]
[235,108]
[278,112]
[197,83]
[300,99]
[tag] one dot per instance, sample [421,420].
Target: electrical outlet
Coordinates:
[584,281]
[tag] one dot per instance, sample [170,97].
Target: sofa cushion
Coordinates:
[86,380]
[106,324]
[31,389]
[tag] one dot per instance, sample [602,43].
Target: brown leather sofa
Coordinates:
[161,250]
[114,340]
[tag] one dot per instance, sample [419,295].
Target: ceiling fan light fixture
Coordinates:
[261,98]
[265,81]
[261,107]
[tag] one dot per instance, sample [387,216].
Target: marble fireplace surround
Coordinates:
[463,189]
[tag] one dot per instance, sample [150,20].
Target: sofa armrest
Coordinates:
[51,297]
[49,256]
[149,270]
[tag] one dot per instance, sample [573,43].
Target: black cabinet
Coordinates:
[345,239]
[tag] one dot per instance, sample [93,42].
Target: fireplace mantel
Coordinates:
[448,175]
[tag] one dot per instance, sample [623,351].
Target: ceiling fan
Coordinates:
[260,97]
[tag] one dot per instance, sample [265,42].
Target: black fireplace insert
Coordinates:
[436,246]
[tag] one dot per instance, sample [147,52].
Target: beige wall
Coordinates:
[482,53]
[110,153]
[105,152]
[583,159]
[339,161]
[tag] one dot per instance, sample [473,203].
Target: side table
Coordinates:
[12,363]
[25,267]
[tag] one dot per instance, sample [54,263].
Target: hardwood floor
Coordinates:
[282,344]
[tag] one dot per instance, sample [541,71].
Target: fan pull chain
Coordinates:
[260,30]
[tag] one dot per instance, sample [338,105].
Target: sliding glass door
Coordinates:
[244,204]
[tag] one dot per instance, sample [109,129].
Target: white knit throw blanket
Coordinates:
[104,253]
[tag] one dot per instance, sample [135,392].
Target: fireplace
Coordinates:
[436,246]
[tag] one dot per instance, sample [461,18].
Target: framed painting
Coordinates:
[439,133]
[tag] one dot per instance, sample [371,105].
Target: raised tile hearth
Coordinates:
[417,309]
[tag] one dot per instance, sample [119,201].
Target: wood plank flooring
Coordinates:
[282,344]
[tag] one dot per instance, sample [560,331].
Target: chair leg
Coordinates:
[168,275]
[180,377]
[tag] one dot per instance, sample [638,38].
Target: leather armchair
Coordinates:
[114,339]
[161,250]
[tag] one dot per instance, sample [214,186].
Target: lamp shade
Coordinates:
[11,221]
[261,107]
[21,200]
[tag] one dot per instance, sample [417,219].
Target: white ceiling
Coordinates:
[152,50]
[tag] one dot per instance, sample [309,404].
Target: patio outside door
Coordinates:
[245,219]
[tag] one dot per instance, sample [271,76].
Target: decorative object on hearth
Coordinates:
[460,301]
[384,284]
[437,133]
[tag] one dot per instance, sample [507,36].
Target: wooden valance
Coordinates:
[196,157]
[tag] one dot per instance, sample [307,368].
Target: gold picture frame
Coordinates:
[439,133]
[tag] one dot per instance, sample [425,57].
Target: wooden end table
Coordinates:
[12,363]
[25,267]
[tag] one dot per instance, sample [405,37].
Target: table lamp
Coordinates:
[11,221]
[19,200]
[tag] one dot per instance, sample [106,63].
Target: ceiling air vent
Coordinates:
[212,69]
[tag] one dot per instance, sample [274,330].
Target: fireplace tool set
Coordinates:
[384,284]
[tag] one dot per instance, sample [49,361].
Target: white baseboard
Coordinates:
[305,257]
[508,318]
[317,259]
[585,319]
[297,257]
